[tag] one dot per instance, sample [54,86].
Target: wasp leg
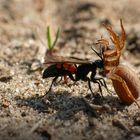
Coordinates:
[98,81]
[53,81]
[65,79]
[99,85]
[94,81]
[89,85]
[103,83]
[72,77]
[61,78]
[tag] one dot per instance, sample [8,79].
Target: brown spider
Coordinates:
[125,81]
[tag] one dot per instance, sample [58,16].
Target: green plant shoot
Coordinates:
[49,39]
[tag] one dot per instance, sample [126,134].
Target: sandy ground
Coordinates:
[69,111]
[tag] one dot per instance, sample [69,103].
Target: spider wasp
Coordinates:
[76,69]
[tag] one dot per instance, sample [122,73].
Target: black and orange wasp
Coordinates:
[76,69]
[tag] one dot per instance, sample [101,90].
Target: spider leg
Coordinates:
[122,36]
[119,79]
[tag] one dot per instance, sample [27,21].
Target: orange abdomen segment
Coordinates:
[132,82]
[111,60]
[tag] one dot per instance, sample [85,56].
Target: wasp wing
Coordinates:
[60,59]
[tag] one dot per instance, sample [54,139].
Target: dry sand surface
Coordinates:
[69,112]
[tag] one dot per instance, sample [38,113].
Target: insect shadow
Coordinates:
[66,106]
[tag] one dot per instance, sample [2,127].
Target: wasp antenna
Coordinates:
[97,53]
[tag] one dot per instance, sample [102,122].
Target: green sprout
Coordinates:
[49,39]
